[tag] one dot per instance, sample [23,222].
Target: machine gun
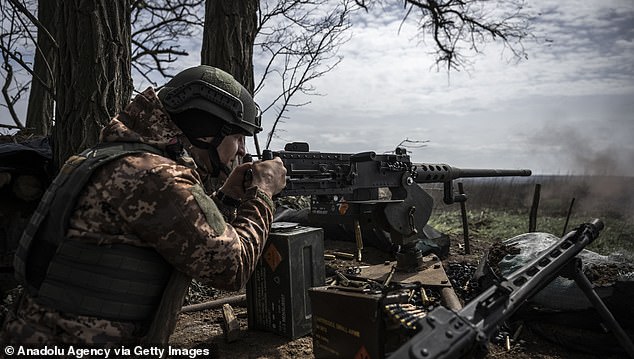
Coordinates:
[357,176]
[465,333]
[344,188]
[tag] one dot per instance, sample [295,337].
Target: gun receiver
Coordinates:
[357,175]
[448,334]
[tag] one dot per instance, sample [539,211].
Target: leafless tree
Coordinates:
[462,27]
[299,40]
[229,34]
[158,29]
[41,107]
[13,37]
[303,46]
[94,80]
[41,86]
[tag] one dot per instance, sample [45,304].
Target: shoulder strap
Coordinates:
[48,224]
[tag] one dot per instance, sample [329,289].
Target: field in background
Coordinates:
[498,208]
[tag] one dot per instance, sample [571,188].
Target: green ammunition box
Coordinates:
[277,293]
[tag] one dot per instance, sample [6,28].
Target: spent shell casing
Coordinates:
[423,295]
[343,255]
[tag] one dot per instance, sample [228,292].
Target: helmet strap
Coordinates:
[225,131]
[212,150]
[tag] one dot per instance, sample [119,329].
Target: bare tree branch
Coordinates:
[17,57]
[462,26]
[407,143]
[11,100]
[25,31]
[300,38]
[34,20]
[362,4]
[158,28]
[13,32]
[458,28]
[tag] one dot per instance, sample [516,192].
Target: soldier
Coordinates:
[125,225]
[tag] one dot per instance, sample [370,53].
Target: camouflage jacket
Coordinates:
[147,200]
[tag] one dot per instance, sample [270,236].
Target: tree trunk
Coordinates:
[94,81]
[229,35]
[39,115]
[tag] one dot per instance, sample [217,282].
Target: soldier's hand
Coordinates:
[234,185]
[269,176]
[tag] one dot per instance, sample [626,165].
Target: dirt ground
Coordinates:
[204,329]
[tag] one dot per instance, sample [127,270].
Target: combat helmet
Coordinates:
[204,101]
[214,91]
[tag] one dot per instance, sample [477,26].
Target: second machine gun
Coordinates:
[446,334]
[345,188]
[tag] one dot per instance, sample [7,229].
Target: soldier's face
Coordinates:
[230,147]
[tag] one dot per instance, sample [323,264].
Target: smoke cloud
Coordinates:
[603,150]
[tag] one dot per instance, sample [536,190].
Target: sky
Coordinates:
[567,109]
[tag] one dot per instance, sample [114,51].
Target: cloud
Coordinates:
[577,85]
[386,86]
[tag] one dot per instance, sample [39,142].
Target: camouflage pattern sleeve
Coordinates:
[172,213]
[229,212]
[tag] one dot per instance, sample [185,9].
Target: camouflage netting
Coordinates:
[561,311]
[562,294]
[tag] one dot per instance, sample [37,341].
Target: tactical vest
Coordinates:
[115,281]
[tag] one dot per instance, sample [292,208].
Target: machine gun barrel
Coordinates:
[434,173]
[443,173]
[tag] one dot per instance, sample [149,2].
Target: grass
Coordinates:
[494,225]
[498,208]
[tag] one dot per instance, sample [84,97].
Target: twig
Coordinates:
[214,303]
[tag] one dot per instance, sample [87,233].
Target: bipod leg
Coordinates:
[608,319]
